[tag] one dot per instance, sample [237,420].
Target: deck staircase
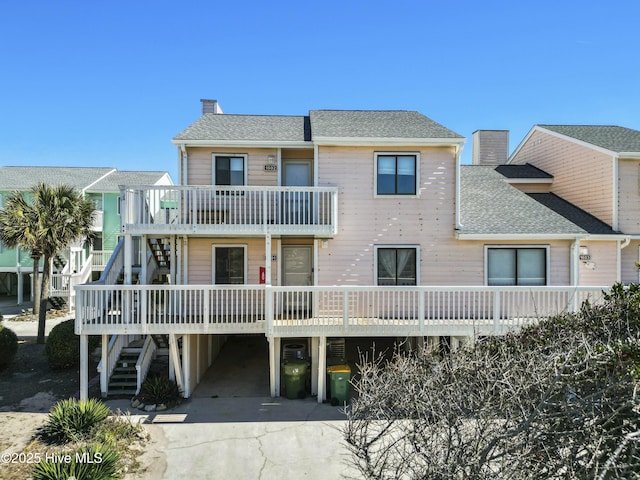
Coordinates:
[123,381]
[161,249]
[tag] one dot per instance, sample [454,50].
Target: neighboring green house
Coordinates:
[102,185]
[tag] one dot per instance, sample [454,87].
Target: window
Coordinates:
[397,266]
[229,264]
[517,266]
[229,170]
[396,174]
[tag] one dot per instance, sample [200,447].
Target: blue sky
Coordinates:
[110,83]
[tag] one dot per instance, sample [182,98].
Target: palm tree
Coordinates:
[19,229]
[54,218]
[64,217]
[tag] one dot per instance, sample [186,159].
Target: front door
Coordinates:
[296,205]
[297,271]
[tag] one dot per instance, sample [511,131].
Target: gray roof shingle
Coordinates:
[376,124]
[574,214]
[610,137]
[490,206]
[212,126]
[23,178]
[319,124]
[522,171]
[112,182]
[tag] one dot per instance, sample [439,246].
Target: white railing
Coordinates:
[170,309]
[114,266]
[63,284]
[229,209]
[116,344]
[101,258]
[144,361]
[321,311]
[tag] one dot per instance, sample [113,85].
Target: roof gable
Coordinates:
[610,137]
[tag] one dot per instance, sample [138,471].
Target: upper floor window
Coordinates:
[396,174]
[516,266]
[229,170]
[397,266]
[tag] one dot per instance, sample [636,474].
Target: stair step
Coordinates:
[131,350]
[116,376]
[123,384]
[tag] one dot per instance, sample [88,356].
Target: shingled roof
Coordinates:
[213,126]
[376,124]
[94,179]
[610,137]
[320,124]
[490,206]
[23,178]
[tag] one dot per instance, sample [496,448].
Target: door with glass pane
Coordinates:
[296,205]
[297,271]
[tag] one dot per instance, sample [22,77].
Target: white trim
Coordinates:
[395,245]
[245,166]
[377,154]
[538,128]
[528,180]
[228,245]
[629,155]
[243,143]
[83,191]
[388,141]
[547,249]
[497,237]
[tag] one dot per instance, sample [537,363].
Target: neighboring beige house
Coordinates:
[333,225]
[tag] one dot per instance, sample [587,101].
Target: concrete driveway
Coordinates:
[249,438]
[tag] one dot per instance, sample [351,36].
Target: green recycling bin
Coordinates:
[295,376]
[340,376]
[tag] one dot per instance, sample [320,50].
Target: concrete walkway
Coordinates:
[250,438]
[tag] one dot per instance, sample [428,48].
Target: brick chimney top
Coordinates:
[210,106]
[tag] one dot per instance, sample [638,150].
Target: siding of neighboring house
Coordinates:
[111,221]
[200,165]
[629,196]
[582,176]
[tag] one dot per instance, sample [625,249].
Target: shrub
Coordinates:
[8,346]
[72,420]
[117,428]
[63,346]
[90,462]
[159,389]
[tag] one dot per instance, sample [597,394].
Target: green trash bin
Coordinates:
[295,376]
[340,376]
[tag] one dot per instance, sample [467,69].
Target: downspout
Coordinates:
[574,263]
[616,193]
[182,172]
[621,244]
[457,200]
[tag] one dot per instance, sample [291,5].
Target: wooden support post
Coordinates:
[84,367]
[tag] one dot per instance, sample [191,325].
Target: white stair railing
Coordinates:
[144,361]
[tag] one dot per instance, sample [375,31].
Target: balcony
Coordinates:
[320,311]
[225,210]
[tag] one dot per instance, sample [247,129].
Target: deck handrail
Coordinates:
[320,310]
[143,364]
[252,209]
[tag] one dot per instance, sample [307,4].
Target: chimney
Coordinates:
[210,106]
[490,147]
